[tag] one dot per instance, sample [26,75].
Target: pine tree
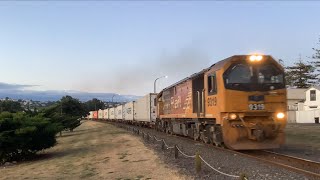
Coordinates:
[287,74]
[316,60]
[301,74]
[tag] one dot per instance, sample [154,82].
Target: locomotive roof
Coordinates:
[187,78]
[194,75]
[217,65]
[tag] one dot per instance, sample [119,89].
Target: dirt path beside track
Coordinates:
[94,151]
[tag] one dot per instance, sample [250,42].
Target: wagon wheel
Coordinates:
[167,130]
[170,131]
[195,135]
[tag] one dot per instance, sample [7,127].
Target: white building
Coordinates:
[312,101]
[309,110]
[294,97]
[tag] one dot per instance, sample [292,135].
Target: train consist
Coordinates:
[239,102]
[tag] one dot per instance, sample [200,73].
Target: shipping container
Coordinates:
[90,114]
[111,113]
[119,114]
[129,111]
[100,114]
[106,114]
[145,108]
[95,115]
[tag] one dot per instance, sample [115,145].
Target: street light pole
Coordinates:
[155,81]
[112,97]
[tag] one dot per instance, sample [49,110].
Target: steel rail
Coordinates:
[299,165]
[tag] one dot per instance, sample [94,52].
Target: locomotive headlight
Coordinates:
[259,58]
[280,115]
[233,116]
[253,57]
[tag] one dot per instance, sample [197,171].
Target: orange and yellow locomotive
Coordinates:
[239,102]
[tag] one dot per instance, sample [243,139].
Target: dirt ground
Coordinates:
[302,140]
[94,151]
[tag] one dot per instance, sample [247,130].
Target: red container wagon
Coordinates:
[95,115]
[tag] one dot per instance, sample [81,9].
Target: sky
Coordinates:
[122,47]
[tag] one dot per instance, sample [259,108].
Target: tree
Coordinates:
[316,59]
[94,104]
[67,112]
[22,135]
[10,106]
[301,74]
[288,77]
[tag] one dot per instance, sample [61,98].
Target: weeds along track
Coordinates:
[298,165]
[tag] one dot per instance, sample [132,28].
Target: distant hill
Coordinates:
[56,95]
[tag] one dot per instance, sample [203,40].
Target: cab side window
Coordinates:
[212,84]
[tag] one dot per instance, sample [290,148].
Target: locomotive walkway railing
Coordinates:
[198,158]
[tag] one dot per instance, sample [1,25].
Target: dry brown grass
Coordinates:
[94,151]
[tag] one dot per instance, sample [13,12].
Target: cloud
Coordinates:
[7,86]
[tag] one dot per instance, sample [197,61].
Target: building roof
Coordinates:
[316,87]
[297,93]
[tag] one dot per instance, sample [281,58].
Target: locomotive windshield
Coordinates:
[248,77]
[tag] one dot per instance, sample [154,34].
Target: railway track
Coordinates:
[302,166]
[299,165]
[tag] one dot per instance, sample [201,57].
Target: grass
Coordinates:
[303,134]
[123,155]
[92,151]
[139,177]
[141,160]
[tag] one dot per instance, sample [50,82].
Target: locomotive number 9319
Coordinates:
[256,106]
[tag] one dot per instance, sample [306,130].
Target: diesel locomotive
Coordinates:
[239,102]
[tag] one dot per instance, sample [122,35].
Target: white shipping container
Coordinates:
[128,111]
[106,114]
[100,114]
[119,112]
[145,108]
[91,115]
[111,113]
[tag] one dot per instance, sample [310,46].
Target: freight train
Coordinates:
[239,102]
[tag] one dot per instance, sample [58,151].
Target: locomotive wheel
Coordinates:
[204,138]
[217,144]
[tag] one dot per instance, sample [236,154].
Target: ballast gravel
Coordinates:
[224,161]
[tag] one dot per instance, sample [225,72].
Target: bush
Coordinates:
[67,113]
[21,135]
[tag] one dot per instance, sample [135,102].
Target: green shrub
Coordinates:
[21,135]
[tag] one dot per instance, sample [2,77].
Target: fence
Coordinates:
[198,158]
